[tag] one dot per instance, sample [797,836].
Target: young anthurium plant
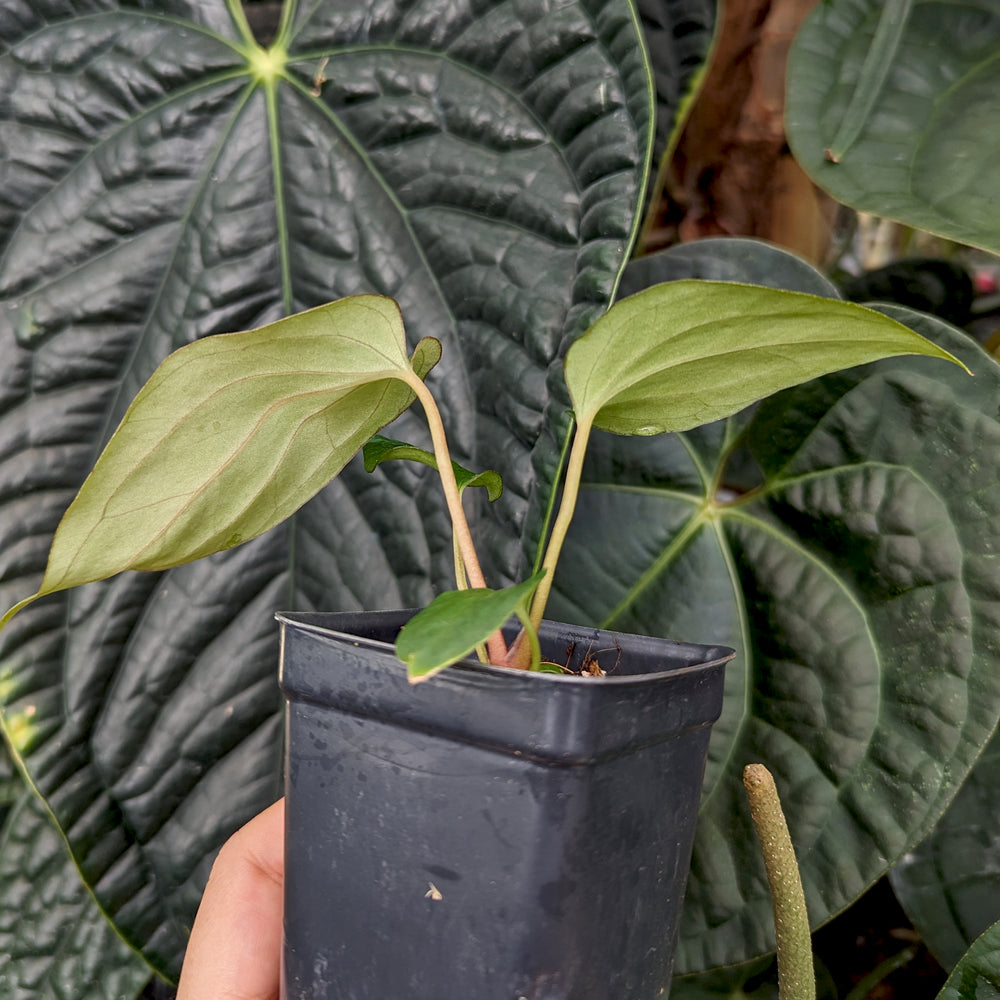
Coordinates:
[233,433]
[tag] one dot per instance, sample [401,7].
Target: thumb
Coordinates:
[235,947]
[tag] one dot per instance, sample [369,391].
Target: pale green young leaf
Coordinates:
[232,434]
[685,353]
[455,622]
[382,449]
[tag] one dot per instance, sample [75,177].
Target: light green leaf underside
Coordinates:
[929,153]
[686,353]
[455,622]
[230,436]
[54,941]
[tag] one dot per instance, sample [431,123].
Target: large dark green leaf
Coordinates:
[950,884]
[977,976]
[162,179]
[928,154]
[54,941]
[849,556]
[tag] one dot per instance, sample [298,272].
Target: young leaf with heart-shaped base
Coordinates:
[232,434]
[685,353]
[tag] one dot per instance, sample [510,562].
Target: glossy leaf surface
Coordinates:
[455,622]
[54,941]
[687,353]
[977,975]
[929,151]
[164,180]
[949,885]
[841,536]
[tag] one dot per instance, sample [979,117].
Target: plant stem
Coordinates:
[463,536]
[796,978]
[567,506]
[462,583]
[550,506]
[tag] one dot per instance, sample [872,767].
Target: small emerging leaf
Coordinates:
[232,434]
[454,623]
[685,353]
[426,355]
[382,449]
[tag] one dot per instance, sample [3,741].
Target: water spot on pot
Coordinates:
[546,985]
[362,777]
[497,831]
[439,871]
[552,895]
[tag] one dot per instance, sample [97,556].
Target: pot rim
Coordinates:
[300,620]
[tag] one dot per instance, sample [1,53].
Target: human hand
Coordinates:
[235,947]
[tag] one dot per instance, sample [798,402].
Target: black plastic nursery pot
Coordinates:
[489,834]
